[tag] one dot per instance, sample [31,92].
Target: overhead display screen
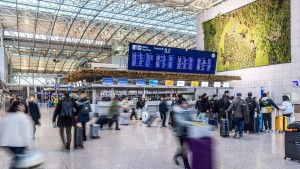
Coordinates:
[166,59]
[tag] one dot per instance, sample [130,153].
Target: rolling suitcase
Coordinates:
[150,120]
[78,137]
[259,123]
[145,116]
[124,118]
[213,120]
[278,122]
[224,128]
[94,130]
[285,122]
[201,153]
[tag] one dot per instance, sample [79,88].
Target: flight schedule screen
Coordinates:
[159,58]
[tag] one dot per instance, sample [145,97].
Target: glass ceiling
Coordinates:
[57,36]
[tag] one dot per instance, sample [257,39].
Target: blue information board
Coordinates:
[108,81]
[69,88]
[122,81]
[140,82]
[153,82]
[166,59]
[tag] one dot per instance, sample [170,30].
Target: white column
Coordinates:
[27,91]
[35,90]
[94,95]
[3,65]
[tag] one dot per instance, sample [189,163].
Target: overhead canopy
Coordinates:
[92,74]
[57,36]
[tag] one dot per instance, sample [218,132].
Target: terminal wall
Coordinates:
[276,79]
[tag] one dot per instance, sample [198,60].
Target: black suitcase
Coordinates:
[102,120]
[78,137]
[224,127]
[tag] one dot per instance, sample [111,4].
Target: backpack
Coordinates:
[66,109]
[250,103]
[86,109]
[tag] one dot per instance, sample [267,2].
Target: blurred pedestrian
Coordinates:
[114,112]
[84,113]
[140,105]
[66,118]
[16,130]
[34,112]
[163,109]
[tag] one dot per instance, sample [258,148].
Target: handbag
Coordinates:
[269,109]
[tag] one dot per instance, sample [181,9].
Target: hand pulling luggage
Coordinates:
[201,153]
[150,120]
[94,131]
[78,137]
[224,128]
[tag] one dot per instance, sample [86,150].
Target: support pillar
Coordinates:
[94,96]
[35,90]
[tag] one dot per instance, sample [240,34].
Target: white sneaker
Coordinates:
[267,131]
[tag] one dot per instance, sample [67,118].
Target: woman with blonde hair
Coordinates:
[34,112]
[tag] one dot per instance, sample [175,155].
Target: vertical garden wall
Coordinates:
[255,35]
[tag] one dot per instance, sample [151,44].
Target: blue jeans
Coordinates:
[239,125]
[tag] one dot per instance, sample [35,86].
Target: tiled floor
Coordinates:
[140,147]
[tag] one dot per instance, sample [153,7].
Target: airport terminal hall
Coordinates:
[149,84]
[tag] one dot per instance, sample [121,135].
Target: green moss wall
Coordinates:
[255,35]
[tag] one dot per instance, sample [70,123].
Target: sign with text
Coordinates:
[169,83]
[180,83]
[122,81]
[140,82]
[217,84]
[225,84]
[194,83]
[108,81]
[153,82]
[204,84]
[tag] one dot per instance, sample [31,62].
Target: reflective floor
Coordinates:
[139,147]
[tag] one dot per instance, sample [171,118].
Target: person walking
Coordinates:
[163,109]
[182,120]
[133,106]
[114,112]
[34,112]
[140,105]
[251,103]
[239,116]
[286,107]
[16,132]
[267,105]
[66,118]
[84,113]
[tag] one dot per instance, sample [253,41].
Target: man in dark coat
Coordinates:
[163,109]
[65,122]
[34,112]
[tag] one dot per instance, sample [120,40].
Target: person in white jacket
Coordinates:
[16,131]
[287,107]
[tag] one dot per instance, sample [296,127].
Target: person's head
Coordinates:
[32,99]
[285,98]
[83,96]
[17,106]
[184,104]
[215,97]
[67,95]
[204,95]
[116,99]
[143,99]
[227,93]
[239,95]
[179,96]
[265,95]
[249,94]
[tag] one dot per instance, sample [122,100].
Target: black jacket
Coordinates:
[140,105]
[214,106]
[163,108]
[204,105]
[224,103]
[251,104]
[34,112]
[65,121]
[198,105]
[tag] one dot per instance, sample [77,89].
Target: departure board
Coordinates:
[166,59]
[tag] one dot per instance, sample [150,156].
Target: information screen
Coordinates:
[166,59]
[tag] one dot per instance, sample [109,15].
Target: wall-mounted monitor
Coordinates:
[108,81]
[180,83]
[140,82]
[166,59]
[153,82]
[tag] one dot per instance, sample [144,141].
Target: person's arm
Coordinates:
[283,107]
[230,107]
[273,104]
[196,105]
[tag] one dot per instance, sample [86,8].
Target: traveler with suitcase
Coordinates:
[266,105]
[84,113]
[17,136]
[66,118]
[182,120]
[252,106]
[204,105]
[140,105]
[114,112]
[287,107]
[240,113]
[163,109]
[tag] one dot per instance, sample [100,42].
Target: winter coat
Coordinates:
[83,117]
[16,130]
[214,106]
[34,112]
[265,101]
[140,104]
[287,107]
[163,108]
[65,121]
[198,105]
[114,109]
[237,107]
[224,103]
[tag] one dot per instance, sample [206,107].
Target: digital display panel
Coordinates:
[140,82]
[108,81]
[166,59]
[122,81]
[153,82]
